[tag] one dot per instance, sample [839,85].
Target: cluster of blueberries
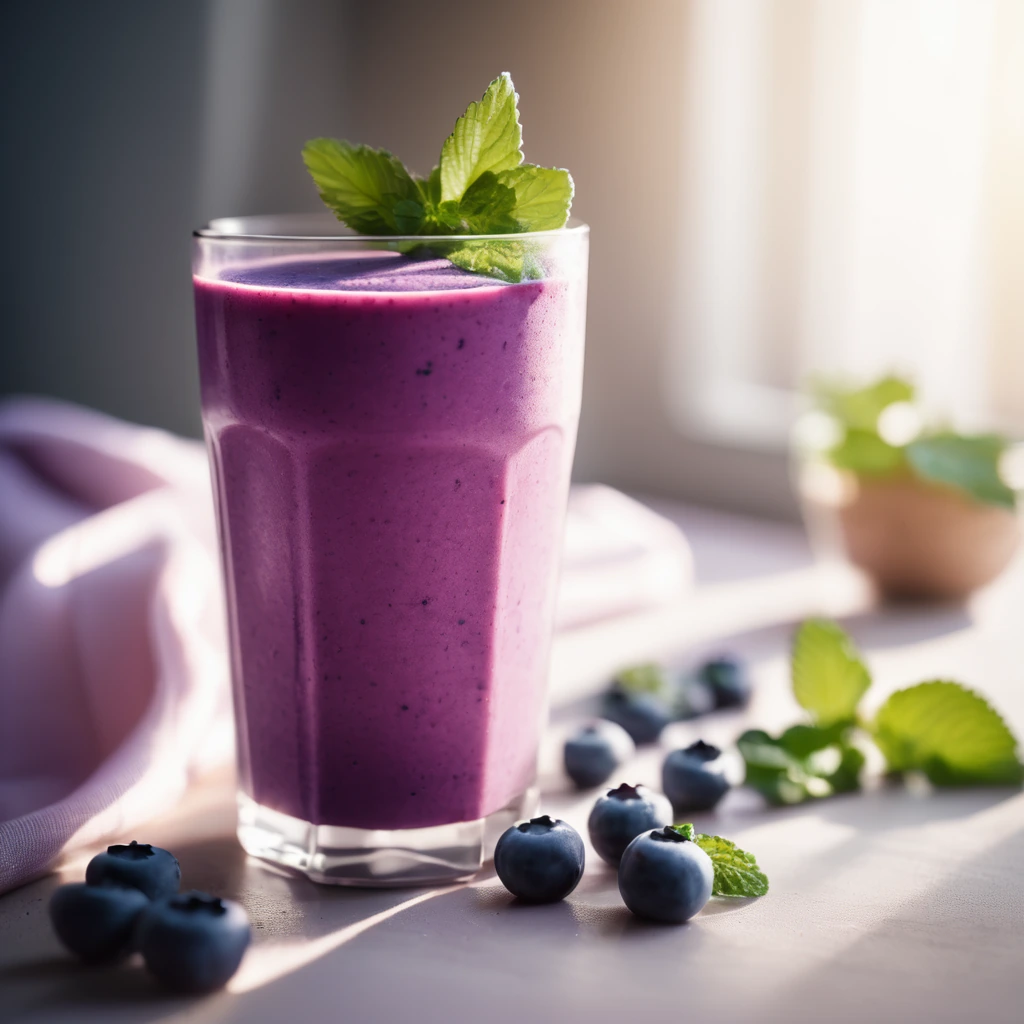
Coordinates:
[645,700]
[129,902]
[662,874]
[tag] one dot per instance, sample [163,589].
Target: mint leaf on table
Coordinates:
[806,762]
[829,677]
[970,464]
[646,678]
[948,732]
[369,189]
[487,137]
[736,871]
[687,831]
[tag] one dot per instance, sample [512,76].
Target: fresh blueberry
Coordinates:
[621,815]
[664,876]
[694,698]
[593,753]
[193,942]
[728,678]
[97,922]
[540,860]
[643,715]
[693,778]
[148,868]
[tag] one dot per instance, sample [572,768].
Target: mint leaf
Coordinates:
[368,189]
[970,464]
[646,678]
[805,763]
[829,678]
[948,732]
[736,871]
[487,207]
[511,261]
[543,196]
[686,831]
[864,452]
[860,408]
[486,138]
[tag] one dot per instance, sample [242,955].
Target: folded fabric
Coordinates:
[113,673]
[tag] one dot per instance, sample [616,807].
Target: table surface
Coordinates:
[897,904]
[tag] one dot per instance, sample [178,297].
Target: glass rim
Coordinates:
[233,229]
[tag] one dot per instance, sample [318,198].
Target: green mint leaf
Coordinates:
[368,189]
[864,452]
[543,196]
[687,831]
[948,732]
[860,408]
[829,678]
[736,871]
[487,207]
[804,763]
[646,678]
[970,464]
[487,137]
[511,261]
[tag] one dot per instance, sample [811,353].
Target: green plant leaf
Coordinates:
[970,464]
[543,196]
[804,763]
[487,137]
[948,732]
[829,678]
[368,189]
[859,408]
[512,261]
[687,830]
[487,207]
[736,871]
[864,452]
[646,678]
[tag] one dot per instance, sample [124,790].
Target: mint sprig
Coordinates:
[736,871]
[948,732]
[481,186]
[940,728]
[829,678]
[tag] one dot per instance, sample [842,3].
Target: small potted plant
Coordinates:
[924,511]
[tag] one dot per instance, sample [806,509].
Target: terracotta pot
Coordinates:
[920,540]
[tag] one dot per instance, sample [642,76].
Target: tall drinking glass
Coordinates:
[391,439]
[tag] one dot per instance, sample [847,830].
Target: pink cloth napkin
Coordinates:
[113,673]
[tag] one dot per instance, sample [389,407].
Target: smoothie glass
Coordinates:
[391,439]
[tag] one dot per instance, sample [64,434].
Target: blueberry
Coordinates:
[621,815]
[728,678]
[593,753]
[694,698]
[540,860]
[642,715]
[97,922]
[665,877]
[193,942]
[138,865]
[693,778]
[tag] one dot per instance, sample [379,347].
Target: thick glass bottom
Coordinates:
[370,858]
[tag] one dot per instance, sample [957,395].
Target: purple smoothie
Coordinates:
[391,443]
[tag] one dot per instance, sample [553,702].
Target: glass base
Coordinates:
[371,858]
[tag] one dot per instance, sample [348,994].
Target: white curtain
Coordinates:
[854,204]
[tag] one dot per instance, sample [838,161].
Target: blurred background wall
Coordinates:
[776,188]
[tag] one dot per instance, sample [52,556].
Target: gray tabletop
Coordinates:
[898,904]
